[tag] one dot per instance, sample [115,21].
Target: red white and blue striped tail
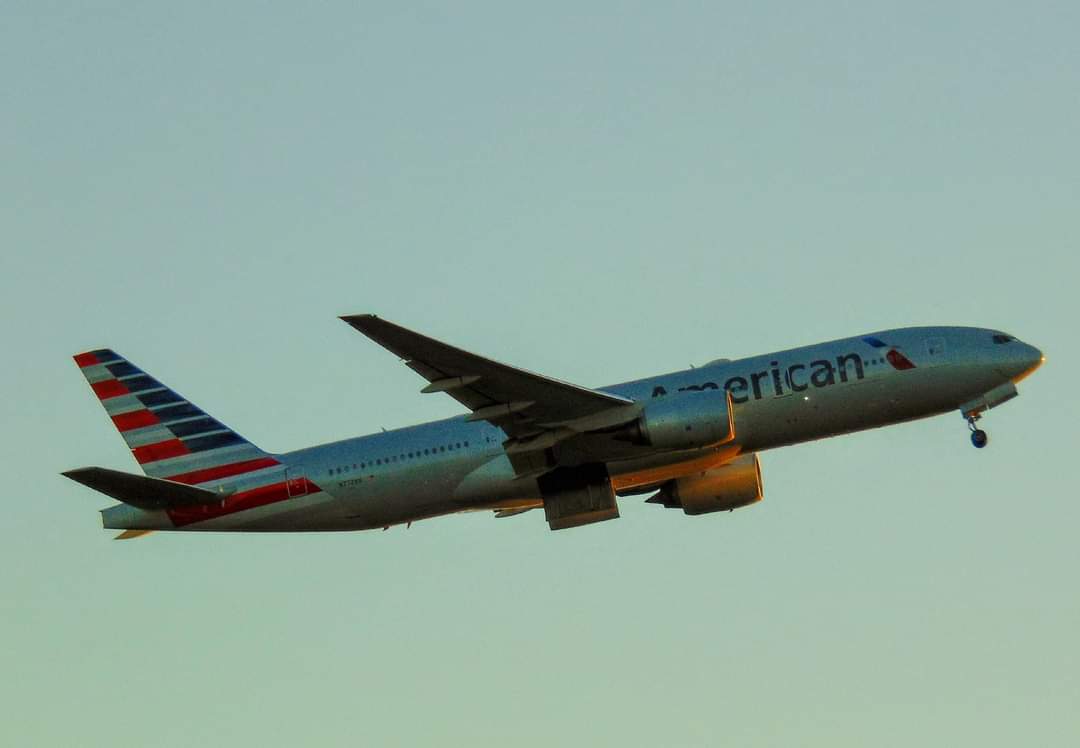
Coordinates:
[169,436]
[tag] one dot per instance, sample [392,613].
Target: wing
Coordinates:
[536,411]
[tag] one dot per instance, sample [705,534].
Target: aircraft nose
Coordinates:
[1025,359]
[1035,357]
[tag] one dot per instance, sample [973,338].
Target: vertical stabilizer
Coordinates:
[169,436]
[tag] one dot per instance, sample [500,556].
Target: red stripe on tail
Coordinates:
[107,388]
[224,471]
[160,451]
[86,359]
[134,420]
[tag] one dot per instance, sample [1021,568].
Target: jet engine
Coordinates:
[688,420]
[730,486]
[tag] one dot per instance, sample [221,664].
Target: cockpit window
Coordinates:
[999,339]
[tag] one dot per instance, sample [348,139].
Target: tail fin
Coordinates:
[169,436]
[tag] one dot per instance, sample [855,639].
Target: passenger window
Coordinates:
[935,346]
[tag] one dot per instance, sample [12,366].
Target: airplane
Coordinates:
[689,439]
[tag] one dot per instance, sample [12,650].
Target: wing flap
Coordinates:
[142,491]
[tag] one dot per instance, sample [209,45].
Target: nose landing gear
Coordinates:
[978,436]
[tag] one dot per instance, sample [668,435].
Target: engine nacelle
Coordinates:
[688,420]
[730,486]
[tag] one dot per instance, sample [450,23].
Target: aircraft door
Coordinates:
[295,483]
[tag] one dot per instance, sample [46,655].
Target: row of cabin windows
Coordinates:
[380,461]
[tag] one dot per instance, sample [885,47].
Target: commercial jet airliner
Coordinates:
[690,438]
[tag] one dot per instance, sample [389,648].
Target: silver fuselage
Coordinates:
[778,399]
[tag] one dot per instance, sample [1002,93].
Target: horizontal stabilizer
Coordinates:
[142,491]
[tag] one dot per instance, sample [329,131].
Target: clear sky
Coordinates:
[594,192]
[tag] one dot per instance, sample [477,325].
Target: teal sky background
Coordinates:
[593,191]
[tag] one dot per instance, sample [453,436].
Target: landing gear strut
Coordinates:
[978,436]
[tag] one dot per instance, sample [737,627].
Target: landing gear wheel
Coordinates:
[978,436]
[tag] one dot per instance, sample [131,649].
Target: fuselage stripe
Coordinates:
[239,502]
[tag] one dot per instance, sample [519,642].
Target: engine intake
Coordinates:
[730,486]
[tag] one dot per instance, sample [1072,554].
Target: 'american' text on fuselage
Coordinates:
[818,373]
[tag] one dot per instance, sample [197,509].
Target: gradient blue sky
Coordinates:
[595,192]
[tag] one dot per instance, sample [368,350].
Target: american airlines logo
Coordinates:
[777,381]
